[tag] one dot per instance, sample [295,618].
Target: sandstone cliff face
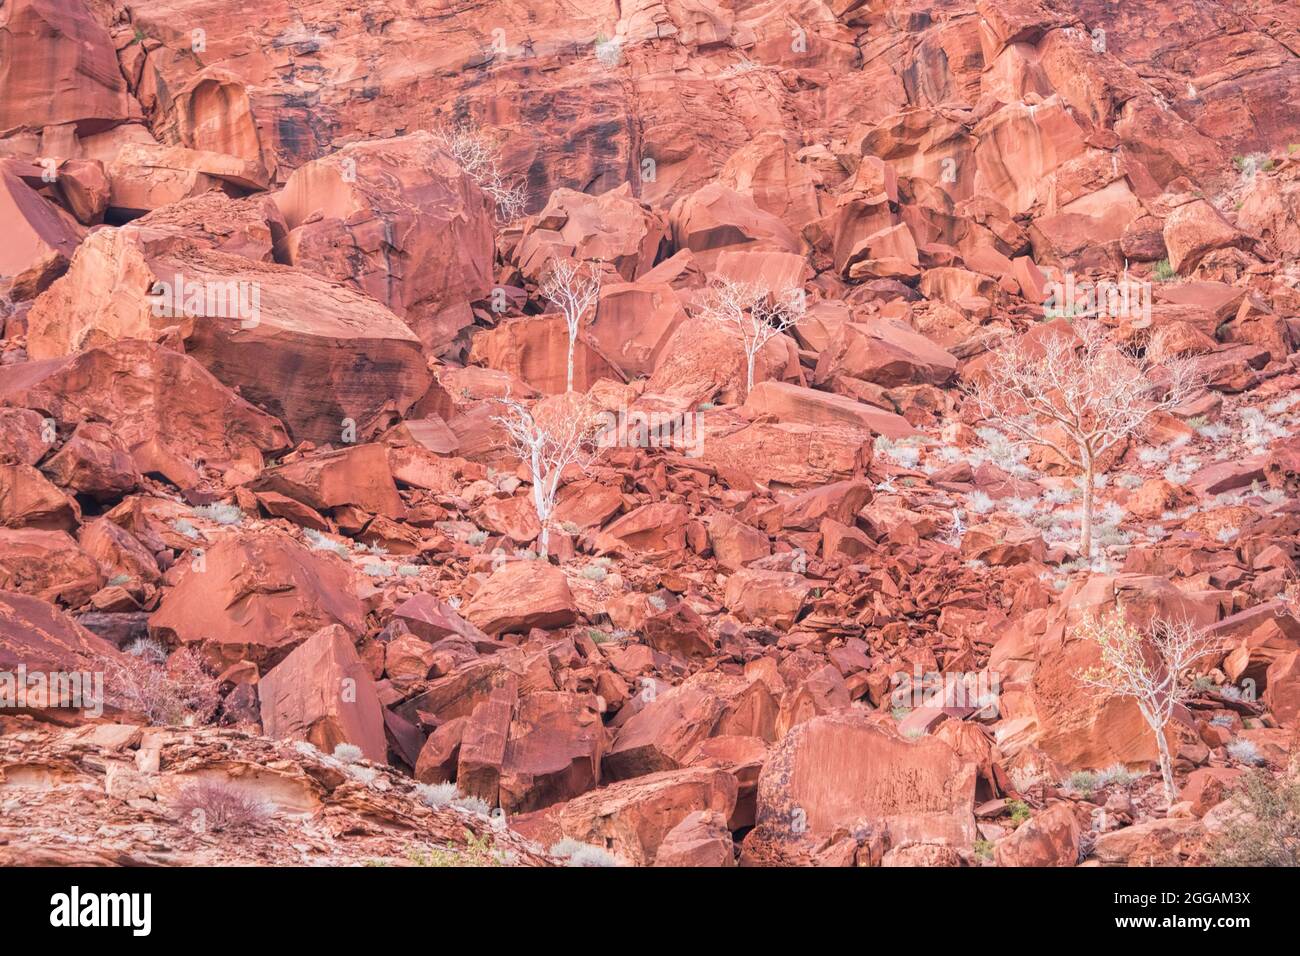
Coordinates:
[280,323]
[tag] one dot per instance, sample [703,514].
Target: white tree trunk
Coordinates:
[1166,766]
[569,386]
[749,372]
[1085,533]
[543,508]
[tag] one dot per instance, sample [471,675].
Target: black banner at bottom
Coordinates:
[139,906]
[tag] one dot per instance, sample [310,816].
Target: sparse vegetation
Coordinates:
[555,435]
[220,513]
[177,690]
[475,805]
[756,313]
[1152,667]
[214,806]
[477,851]
[1078,395]
[1245,751]
[348,753]
[1116,775]
[436,795]
[1265,828]
[318,541]
[478,153]
[1082,782]
[183,526]
[583,854]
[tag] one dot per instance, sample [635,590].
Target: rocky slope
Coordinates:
[261,307]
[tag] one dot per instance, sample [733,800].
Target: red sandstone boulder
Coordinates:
[701,839]
[315,355]
[633,818]
[653,528]
[734,543]
[788,454]
[535,349]
[57,66]
[678,631]
[612,227]
[433,620]
[668,729]
[915,791]
[255,597]
[25,436]
[28,500]
[553,752]
[95,462]
[163,406]
[1076,726]
[398,219]
[323,693]
[716,218]
[775,597]
[356,476]
[793,403]
[633,324]
[1050,838]
[1195,229]
[885,352]
[37,636]
[147,176]
[40,239]
[47,565]
[521,595]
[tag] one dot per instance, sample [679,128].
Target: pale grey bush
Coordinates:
[1245,751]
[436,795]
[583,854]
[318,541]
[220,513]
[348,753]
[475,805]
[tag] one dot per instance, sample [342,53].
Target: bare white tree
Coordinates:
[758,313]
[1152,667]
[479,154]
[1095,392]
[575,289]
[554,434]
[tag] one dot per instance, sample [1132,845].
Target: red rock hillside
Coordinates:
[494,435]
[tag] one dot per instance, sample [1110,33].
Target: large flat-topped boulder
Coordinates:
[166,408]
[314,354]
[795,403]
[255,597]
[398,219]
